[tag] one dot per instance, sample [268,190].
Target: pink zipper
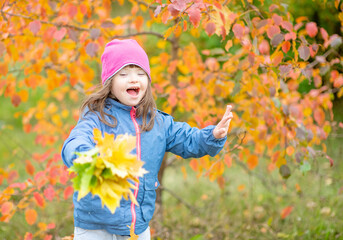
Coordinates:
[138,150]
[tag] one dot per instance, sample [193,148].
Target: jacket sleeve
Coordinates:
[185,141]
[80,138]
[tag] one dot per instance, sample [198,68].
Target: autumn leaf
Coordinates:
[286,211]
[30,216]
[107,169]
[35,26]
[67,192]
[304,52]
[133,236]
[311,29]
[210,28]
[252,161]
[194,15]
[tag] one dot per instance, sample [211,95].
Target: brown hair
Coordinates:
[96,102]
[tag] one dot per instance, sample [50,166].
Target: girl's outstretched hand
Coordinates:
[222,127]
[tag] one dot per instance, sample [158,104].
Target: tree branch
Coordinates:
[189,206]
[45,22]
[145,4]
[142,33]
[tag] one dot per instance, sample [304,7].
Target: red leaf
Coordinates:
[13,175]
[6,208]
[51,226]
[48,237]
[338,82]
[173,10]
[272,30]
[238,30]
[330,159]
[72,10]
[277,19]
[39,199]
[28,236]
[324,33]
[311,29]
[290,36]
[30,169]
[67,192]
[30,216]
[210,28]
[287,25]
[59,35]
[194,16]
[264,47]
[49,193]
[35,26]
[16,100]
[286,211]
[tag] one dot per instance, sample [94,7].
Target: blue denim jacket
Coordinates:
[166,136]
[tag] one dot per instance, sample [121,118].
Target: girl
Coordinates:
[125,105]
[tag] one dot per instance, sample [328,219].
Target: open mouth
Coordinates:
[133,91]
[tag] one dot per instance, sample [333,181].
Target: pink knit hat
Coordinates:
[120,53]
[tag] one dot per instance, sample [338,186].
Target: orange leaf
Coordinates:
[319,116]
[30,168]
[277,58]
[39,199]
[194,164]
[3,68]
[228,160]
[286,211]
[67,192]
[139,23]
[30,216]
[290,150]
[286,46]
[252,161]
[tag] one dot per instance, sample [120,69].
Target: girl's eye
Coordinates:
[122,74]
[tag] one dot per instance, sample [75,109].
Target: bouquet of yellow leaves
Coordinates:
[106,170]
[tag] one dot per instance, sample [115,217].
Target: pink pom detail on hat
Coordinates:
[121,53]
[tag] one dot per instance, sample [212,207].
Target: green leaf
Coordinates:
[305,167]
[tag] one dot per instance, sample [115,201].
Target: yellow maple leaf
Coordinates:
[109,170]
[133,236]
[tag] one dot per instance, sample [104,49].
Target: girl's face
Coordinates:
[129,85]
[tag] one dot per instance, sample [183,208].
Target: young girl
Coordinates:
[125,105]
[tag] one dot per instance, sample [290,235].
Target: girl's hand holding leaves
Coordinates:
[106,170]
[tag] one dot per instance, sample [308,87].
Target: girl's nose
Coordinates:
[133,78]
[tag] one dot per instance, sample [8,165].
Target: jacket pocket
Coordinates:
[151,183]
